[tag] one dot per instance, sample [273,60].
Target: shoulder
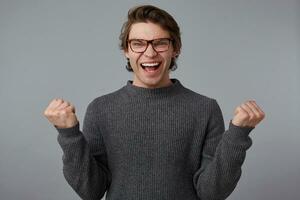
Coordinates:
[107,99]
[105,102]
[200,103]
[196,97]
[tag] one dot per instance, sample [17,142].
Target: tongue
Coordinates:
[150,69]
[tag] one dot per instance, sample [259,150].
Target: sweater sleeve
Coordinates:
[84,168]
[222,157]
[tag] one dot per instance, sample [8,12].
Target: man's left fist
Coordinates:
[248,114]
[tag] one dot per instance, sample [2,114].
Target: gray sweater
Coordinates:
[165,143]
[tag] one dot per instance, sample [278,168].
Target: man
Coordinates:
[153,138]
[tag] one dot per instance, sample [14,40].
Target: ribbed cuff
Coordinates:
[246,130]
[68,131]
[238,134]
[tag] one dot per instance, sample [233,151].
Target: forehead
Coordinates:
[147,31]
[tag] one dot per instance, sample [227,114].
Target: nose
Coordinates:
[150,52]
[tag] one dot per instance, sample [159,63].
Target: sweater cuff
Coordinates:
[67,132]
[245,130]
[238,134]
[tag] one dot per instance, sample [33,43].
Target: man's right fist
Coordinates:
[61,113]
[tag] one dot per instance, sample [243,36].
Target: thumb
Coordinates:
[237,110]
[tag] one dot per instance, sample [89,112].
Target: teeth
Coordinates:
[149,64]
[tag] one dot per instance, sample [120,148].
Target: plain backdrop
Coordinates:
[233,51]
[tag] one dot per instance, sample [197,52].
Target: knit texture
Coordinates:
[165,143]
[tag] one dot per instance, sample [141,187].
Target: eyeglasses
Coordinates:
[140,45]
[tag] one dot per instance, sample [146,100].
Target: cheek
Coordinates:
[137,58]
[133,59]
[131,56]
[168,57]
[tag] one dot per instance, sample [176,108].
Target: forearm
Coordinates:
[219,174]
[85,175]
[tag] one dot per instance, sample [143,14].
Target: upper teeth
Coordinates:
[150,64]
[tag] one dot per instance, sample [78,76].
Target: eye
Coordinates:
[161,42]
[137,43]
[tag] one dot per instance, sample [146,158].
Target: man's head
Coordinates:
[150,36]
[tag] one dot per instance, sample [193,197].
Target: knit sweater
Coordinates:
[165,143]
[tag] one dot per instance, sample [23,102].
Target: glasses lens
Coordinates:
[138,45]
[161,44]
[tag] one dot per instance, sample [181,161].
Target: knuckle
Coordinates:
[69,108]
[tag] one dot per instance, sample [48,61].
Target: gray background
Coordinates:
[233,51]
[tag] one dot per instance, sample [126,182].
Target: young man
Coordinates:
[153,138]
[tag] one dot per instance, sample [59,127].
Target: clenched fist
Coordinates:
[248,114]
[61,113]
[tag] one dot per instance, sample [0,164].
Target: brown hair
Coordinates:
[149,13]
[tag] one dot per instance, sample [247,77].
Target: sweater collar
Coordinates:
[142,92]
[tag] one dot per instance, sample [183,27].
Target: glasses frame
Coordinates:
[149,42]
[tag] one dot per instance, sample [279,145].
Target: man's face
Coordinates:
[146,76]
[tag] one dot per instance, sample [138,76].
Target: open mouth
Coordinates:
[151,67]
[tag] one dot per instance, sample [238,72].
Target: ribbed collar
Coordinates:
[141,92]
